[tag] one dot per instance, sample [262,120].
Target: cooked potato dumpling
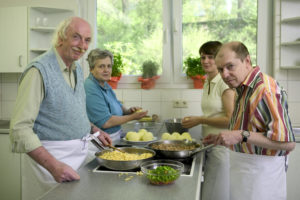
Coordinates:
[141,135]
[176,136]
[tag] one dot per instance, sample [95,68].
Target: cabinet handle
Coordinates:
[20,61]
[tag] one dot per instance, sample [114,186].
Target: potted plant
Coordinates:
[149,76]
[117,69]
[195,71]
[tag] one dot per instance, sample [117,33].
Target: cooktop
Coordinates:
[189,164]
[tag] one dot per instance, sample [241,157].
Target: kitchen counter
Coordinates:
[110,186]
[4,126]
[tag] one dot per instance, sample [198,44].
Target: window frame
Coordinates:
[172,76]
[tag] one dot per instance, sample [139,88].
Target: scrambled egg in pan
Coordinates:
[116,155]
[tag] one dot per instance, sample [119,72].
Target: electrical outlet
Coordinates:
[176,104]
[184,104]
[180,104]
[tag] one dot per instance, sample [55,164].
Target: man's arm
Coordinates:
[228,138]
[24,140]
[59,170]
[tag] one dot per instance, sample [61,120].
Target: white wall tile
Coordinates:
[194,108]
[9,91]
[192,95]
[119,94]
[152,107]
[168,112]
[293,91]
[7,108]
[171,94]
[294,75]
[129,104]
[280,74]
[132,95]
[294,113]
[151,95]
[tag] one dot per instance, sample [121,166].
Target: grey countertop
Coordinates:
[4,126]
[110,186]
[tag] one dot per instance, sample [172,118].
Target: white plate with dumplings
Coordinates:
[139,142]
[139,138]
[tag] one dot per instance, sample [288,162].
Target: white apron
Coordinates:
[216,174]
[36,180]
[257,177]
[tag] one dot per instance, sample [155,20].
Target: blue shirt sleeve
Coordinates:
[101,104]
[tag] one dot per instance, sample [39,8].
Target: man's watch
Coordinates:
[245,135]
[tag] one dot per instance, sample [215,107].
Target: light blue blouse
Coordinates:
[101,103]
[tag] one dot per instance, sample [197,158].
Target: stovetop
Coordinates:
[189,164]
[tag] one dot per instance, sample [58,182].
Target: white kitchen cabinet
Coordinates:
[290,34]
[10,171]
[13,39]
[26,32]
[42,23]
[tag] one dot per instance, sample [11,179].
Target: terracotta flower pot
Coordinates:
[148,83]
[113,82]
[198,81]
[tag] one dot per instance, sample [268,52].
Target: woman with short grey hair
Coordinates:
[97,54]
[103,108]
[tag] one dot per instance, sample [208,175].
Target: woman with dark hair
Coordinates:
[217,106]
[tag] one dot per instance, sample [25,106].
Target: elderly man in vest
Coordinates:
[49,121]
[260,134]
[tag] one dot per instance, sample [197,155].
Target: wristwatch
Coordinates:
[245,135]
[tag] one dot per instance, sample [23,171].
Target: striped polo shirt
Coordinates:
[261,106]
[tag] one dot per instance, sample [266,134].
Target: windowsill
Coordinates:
[157,86]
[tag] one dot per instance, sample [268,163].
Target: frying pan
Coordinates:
[124,165]
[181,153]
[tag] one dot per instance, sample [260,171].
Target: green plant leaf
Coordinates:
[193,66]
[118,66]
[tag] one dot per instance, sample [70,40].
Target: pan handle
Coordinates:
[202,149]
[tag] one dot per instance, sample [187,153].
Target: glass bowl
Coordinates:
[162,172]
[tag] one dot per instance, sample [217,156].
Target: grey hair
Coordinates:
[97,54]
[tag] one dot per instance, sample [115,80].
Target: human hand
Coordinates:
[105,138]
[64,173]
[189,122]
[134,109]
[210,139]
[139,115]
[227,138]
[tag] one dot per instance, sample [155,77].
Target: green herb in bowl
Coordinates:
[162,172]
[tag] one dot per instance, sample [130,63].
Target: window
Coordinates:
[167,31]
[133,29]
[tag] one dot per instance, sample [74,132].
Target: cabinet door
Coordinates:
[10,170]
[13,39]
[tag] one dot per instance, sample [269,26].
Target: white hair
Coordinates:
[61,31]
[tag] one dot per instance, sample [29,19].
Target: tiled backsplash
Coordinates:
[156,101]
[160,101]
